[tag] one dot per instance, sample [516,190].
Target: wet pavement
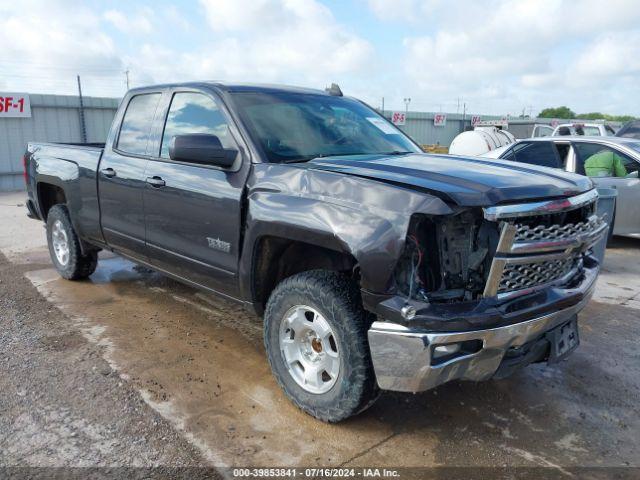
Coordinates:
[199,362]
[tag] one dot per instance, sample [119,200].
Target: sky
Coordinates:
[495,56]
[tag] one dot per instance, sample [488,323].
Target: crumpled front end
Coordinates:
[486,299]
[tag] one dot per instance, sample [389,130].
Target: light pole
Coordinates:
[407,101]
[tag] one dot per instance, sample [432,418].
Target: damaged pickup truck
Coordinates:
[374,265]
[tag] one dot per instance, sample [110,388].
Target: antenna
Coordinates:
[334,90]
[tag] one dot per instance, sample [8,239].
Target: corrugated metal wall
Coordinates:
[419,126]
[54,118]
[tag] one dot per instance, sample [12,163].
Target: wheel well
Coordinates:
[277,258]
[48,196]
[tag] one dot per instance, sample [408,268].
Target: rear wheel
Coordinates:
[64,246]
[316,342]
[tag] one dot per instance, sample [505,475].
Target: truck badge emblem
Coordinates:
[218,244]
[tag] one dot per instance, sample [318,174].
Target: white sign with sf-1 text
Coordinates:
[14,105]
[398,118]
[439,119]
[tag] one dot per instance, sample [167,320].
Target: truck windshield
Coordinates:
[294,127]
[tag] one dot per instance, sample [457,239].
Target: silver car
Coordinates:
[570,153]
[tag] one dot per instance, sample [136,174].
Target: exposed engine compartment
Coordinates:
[447,259]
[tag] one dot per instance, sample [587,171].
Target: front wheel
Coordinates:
[316,341]
[64,246]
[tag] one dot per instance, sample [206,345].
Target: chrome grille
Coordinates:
[541,233]
[529,275]
[533,251]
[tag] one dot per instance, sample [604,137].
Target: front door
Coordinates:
[624,180]
[193,212]
[121,177]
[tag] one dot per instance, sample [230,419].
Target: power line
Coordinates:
[51,66]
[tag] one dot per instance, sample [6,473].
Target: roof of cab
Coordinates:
[236,87]
[589,138]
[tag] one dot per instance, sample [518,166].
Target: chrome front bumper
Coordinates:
[403,358]
[528,260]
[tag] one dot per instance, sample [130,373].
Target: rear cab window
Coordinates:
[535,153]
[135,129]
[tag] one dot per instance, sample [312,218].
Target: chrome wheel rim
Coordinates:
[309,349]
[60,242]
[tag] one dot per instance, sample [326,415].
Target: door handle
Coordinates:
[108,172]
[156,182]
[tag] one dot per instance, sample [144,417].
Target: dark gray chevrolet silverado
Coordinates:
[374,265]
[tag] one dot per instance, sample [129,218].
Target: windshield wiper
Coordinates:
[321,155]
[324,155]
[397,152]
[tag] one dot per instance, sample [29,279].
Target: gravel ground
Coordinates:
[61,403]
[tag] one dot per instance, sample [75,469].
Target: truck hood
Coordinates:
[465,181]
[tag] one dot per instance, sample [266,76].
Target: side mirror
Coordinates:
[201,148]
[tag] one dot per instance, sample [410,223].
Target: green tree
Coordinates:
[605,116]
[592,116]
[558,112]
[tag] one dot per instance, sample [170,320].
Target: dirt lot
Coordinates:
[131,368]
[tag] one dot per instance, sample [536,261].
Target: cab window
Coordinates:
[136,124]
[542,131]
[192,112]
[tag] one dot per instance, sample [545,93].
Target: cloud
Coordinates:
[276,39]
[497,55]
[609,55]
[521,47]
[45,44]
[245,15]
[138,23]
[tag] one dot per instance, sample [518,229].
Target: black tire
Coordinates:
[77,266]
[338,300]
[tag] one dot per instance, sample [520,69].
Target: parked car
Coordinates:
[375,266]
[587,129]
[630,130]
[571,153]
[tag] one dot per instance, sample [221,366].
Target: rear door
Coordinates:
[193,211]
[121,176]
[627,217]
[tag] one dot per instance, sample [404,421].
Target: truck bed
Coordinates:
[71,167]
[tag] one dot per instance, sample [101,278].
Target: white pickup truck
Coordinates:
[586,129]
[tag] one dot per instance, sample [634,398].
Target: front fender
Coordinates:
[365,219]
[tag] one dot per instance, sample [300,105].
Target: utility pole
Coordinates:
[126,73]
[83,126]
[464,115]
[383,106]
